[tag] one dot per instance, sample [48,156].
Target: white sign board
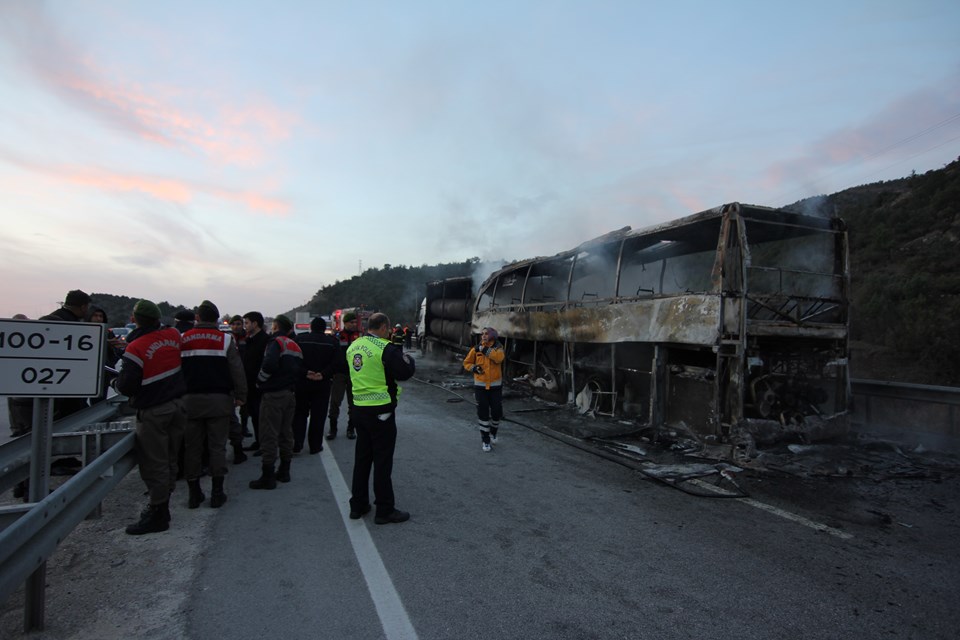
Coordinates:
[41,358]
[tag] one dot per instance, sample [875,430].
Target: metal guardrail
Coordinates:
[27,543]
[907,391]
[915,394]
[30,533]
[15,455]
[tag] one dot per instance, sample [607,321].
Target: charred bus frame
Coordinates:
[731,324]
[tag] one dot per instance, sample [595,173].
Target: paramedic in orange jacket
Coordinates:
[484,361]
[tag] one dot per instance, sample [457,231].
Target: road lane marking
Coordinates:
[393,617]
[793,517]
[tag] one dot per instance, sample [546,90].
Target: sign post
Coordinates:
[46,360]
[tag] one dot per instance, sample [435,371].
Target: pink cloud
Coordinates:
[166,189]
[162,189]
[909,125]
[273,207]
[239,136]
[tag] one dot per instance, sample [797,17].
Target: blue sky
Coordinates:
[251,152]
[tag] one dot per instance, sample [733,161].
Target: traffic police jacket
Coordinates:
[375,367]
[151,372]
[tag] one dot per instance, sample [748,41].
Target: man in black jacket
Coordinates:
[75,308]
[322,358]
[252,356]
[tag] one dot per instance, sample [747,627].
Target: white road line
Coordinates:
[393,617]
[819,526]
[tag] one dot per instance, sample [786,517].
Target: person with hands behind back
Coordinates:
[485,363]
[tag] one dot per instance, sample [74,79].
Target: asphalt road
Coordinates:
[536,539]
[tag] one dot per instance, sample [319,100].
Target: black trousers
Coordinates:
[312,401]
[252,410]
[489,404]
[376,441]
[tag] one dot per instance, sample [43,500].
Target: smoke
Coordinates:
[817,206]
[482,271]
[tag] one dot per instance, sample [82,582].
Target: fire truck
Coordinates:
[349,320]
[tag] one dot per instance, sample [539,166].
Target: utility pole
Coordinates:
[360,272]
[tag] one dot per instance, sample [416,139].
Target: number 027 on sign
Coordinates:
[50,359]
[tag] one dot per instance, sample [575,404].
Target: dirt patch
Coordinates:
[102,583]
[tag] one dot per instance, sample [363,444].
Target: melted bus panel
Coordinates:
[730,324]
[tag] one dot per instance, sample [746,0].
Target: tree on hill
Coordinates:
[396,291]
[905,276]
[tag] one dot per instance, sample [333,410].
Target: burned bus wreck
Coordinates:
[729,325]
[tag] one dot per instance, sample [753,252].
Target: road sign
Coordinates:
[41,358]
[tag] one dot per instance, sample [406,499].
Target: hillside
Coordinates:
[905,276]
[119,308]
[905,272]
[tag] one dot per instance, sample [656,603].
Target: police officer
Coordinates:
[282,369]
[152,378]
[216,384]
[375,366]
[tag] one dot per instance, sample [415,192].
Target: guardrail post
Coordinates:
[41,443]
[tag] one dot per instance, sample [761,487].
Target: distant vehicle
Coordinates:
[361,314]
[302,322]
[120,332]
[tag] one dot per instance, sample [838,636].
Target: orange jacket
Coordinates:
[488,357]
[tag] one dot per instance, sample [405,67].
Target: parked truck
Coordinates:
[445,316]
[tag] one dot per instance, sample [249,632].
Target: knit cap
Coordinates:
[283,322]
[146,309]
[208,311]
[76,298]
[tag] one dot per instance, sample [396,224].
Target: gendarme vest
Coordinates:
[204,360]
[367,375]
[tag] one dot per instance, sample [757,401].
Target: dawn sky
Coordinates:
[250,152]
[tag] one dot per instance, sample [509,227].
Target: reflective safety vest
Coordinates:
[367,375]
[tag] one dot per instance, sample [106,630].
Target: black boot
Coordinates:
[254,446]
[267,479]
[217,496]
[196,494]
[153,519]
[332,432]
[351,434]
[283,473]
[238,454]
